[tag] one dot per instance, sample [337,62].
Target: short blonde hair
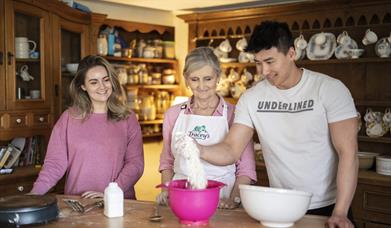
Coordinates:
[200,57]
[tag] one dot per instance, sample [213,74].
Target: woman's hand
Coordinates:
[228,204]
[92,195]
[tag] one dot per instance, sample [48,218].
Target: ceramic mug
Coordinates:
[383,48]
[24,74]
[300,42]
[241,44]
[369,38]
[225,46]
[344,38]
[22,47]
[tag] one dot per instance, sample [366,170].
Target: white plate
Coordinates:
[342,51]
[324,51]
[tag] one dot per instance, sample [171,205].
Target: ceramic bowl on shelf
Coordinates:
[72,67]
[366,159]
[274,207]
[383,165]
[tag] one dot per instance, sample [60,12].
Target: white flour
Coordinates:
[185,147]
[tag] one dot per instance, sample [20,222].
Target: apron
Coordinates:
[206,130]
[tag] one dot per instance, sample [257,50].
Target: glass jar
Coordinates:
[158,44]
[169,49]
[143,74]
[101,45]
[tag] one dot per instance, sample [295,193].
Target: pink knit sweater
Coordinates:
[93,153]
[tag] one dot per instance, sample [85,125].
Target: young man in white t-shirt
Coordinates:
[306,123]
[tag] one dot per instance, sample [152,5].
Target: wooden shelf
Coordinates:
[28,60]
[236,64]
[174,87]
[344,61]
[159,134]
[144,122]
[140,60]
[373,103]
[313,62]
[375,140]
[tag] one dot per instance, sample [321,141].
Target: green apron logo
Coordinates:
[199,132]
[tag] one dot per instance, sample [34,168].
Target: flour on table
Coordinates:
[186,148]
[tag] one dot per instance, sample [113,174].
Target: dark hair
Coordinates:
[270,34]
[81,102]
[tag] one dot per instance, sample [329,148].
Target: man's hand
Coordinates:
[92,195]
[339,221]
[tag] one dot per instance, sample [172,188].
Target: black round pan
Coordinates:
[27,209]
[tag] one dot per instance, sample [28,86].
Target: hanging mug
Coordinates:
[24,74]
[22,47]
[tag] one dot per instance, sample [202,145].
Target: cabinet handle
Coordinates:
[20,188]
[18,120]
[41,119]
[10,57]
[1,58]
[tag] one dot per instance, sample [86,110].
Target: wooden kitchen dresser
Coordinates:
[368,77]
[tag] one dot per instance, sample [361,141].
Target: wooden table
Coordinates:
[136,214]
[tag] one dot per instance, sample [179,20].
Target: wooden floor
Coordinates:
[145,187]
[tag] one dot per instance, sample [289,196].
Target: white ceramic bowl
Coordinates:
[72,67]
[274,207]
[366,159]
[383,165]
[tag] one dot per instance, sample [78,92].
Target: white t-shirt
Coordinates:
[292,126]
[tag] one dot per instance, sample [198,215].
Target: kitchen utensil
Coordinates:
[193,206]
[156,217]
[274,207]
[19,210]
[79,207]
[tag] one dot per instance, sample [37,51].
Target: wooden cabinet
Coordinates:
[32,43]
[71,38]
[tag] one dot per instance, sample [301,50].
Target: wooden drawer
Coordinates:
[372,204]
[17,120]
[40,119]
[16,188]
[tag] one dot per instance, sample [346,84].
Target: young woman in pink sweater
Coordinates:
[97,140]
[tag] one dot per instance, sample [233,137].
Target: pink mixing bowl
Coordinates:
[192,206]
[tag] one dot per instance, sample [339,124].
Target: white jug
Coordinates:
[22,47]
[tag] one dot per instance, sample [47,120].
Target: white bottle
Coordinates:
[113,201]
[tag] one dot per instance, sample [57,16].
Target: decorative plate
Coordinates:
[323,51]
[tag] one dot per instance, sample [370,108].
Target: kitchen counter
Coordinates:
[137,213]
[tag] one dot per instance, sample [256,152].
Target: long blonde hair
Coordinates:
[81,102]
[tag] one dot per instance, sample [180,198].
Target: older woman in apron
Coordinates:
[205,117]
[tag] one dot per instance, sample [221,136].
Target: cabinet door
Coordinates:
[28,59]
[2,58]
[70,46]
